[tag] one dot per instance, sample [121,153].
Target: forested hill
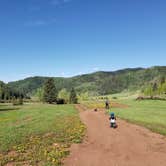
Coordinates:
[97,83]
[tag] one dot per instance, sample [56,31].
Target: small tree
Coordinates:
[40,94]
[163,88]
[63,94]
[149,91]
[84,96]
[162,80]
[155,88]
[73,97]
[160,89]
[50,92]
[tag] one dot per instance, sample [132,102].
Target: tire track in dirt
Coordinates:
[128,145]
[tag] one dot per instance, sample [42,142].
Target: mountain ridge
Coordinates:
[100,82]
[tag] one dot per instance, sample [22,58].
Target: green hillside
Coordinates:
[99,83]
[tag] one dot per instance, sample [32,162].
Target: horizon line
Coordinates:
[75,75]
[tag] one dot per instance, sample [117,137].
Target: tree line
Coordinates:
[8,94]
[49,94]
[156,88]
[99,83]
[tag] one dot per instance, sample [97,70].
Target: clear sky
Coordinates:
[70,37]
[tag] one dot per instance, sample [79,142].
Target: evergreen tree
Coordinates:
[1,91]
[73,97]
[6,93]
[50,92]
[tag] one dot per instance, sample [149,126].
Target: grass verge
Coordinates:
[38,134]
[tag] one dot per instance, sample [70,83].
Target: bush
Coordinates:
[60,101]
[17,101]
[150,98]
[64,94]
[73,97]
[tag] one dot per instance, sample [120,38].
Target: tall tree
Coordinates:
[50,92]
[73,96]
[1,89]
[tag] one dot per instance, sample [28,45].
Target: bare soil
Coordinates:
[127,145]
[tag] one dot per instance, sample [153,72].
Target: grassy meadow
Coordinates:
[41,134]
[38,134]
[148,113]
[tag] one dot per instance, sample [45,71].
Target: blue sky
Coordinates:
[70,37]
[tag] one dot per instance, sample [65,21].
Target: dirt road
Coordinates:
[128,145]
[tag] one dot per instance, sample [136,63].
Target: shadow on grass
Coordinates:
[8,109]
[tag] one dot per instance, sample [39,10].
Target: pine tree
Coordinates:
[1,91]
[73,97]
[50,92]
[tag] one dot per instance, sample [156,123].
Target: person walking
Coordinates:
[107,104]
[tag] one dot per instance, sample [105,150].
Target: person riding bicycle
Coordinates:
[112,119]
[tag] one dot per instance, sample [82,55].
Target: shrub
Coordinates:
[17,101]
[73,97]
[60,101]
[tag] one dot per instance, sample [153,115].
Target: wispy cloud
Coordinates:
[80,73]
[59,2]
[95,69]
[43,22]
[48,2]
[63,74]
[40,22]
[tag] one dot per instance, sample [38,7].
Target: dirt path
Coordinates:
[128,145]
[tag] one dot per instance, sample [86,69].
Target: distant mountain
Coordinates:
[99,82]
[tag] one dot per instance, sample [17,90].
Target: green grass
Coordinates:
[124,95]
[38,134]
[148,113]
[94,104]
